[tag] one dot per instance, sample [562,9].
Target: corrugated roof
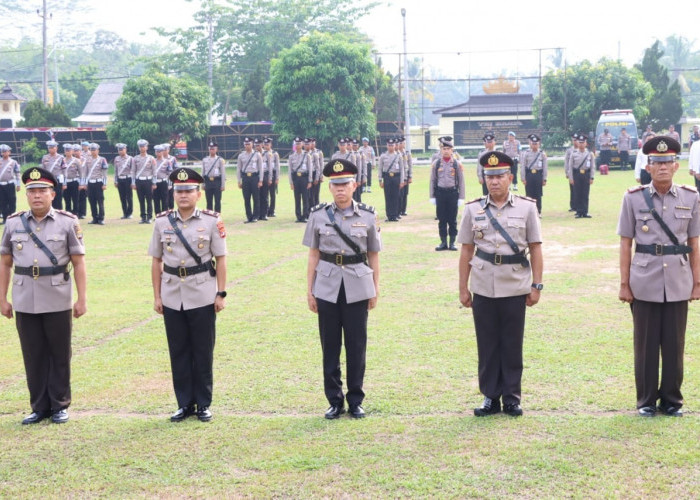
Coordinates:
[490,104]
[104,99]
[8,95]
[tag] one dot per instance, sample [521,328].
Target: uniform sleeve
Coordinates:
[155,249]
[5,245]
[218,238]
[431,183]
[75,238]
[694,226]
[533,231]
[374,242]
[465,235]
[626,223]
[462,188]
[544,166]
[311,238]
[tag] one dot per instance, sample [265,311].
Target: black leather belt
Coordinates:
[36,271]
[663,249]
[498,259]
[183,272]
[341,259]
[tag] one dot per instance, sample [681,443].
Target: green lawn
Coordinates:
[580,436]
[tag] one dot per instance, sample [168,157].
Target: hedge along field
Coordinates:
[580,436]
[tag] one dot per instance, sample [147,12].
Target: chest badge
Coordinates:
[645,228]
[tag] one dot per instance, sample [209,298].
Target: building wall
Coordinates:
[10,110]
[468,131]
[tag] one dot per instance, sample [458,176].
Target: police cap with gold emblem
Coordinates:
[496,163]
[489,136]
[185,179]
[534,137]
[446,141]
[340,171]
[661,149]
[36,177]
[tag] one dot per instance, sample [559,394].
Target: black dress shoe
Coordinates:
[101,222]
[182,413]
[36,417]
[60,416]
[93,221]
[488,407]
[452,247]
[442,246]
[204,414]
[646,411]
[262,218]
[587,216]
[670,410]
[356,411]
[334,411]
[512,409]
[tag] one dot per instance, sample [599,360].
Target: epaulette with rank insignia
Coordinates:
[16,214]
[634,189]
[476,199]
[162,214]
[319,206]
[211,212]
[526,198]
[689,188]
[64,212]
[366,208]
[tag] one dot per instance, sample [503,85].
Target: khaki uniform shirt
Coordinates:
[162,170]
[624,142]
[448,175]
[530,160]
[249,164]
[359,222]
[512,148]
[9,171]
[74,170]
[300,166]
[659,278]
[520,220]
[368,153]
[407,164]
[124,168]
[61,233]
[321,163]
[213,168]
[605,141]
[274,165]
[391,163]
[56,164]
[96,169]
[581,160]
[144,167]
[361,165]
[205,233]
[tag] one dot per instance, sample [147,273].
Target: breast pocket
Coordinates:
[19,241]
[55,241]
[359,234]
[201,244]
[681,219]
[516,226]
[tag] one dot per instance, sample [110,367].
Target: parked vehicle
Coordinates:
[615,120]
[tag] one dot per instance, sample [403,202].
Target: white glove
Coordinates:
[432,201]
[460,203]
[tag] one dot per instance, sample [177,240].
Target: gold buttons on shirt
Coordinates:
[39,229]
[645,228]
[201,245]
[665,265]
[19,246]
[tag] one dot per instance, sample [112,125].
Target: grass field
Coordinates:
[580,436]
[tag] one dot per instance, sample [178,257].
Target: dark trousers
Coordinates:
[301,197]
[160,197]
[191,337]
[8,200]
[624,159]
[212,192]
[514,171]
[403,199]
[171,197]
[357,195]
[605,155]
[97,200]
[315,192]
[57,202]
[265,196]
[391,195]
[659,326]
[500,328]
[582,189]
[334,320]
[126,196]
[144,191]
[251,191]
[46,349]
[71,196]
[273,198]
[572,203]
[446,204]
[369,175]
[82,202]
[533,187]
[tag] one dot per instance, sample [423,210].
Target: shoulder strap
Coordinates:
[37,241]
[584,161]
[178,232]
[391,164]
[533,161]
[355,247]
[650,204]
[513,246]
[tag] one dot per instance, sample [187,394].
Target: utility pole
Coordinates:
[45,76]
[407,123]
[210,62]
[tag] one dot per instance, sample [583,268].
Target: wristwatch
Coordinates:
[223,294]
[537,286]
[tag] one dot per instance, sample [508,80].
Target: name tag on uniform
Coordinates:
[20,231]
[483,217]
[683,208]
[359,224]
[644,210]
[169,231]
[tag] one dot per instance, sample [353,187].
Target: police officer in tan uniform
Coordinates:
[496,234]
[274,167]
[96,180]
[249,172]
[300,179]
[214,174]
[447,194]
[144,167]
[189,289]
[661,277]
[511,147]
[43,243]
[343,283]
[533,170]
[370,158]
[123,180]
[9,182]
[489,145]
[56,164]
[391,173]
[580,170]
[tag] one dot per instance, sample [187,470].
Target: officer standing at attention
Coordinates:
[342,284]
[124,179]
[391,179]
[82,153]
[511,147]
[581,169]
[605,141]
[265,184]
[663,275]
[489,145]
[56,164]
[567,154]
[408,175]
[370,158]
[249,171]
[42,292]
[496,232]
[274,165]
[144,166]
[316,171]
[533,170]
[188,273]
[9,182]
[71,179]
[172,165]
[447,194]
[214,174]
[300,177]
[96,180]
[160,177]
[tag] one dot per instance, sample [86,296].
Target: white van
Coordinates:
[615,120]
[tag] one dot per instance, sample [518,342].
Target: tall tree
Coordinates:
[666,106]
[157,107]
[38,114]
[81,84]
[573,98]
[323,87]
[253,95]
